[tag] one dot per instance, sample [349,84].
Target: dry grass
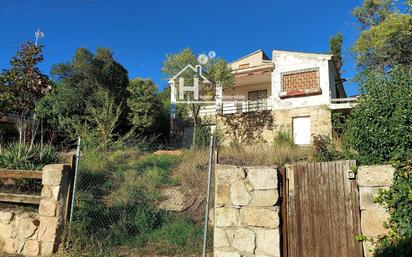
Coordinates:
[192,169]
[264,154]
[191,174]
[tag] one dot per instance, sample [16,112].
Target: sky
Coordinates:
[141,33]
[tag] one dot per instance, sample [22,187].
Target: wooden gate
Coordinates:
[321,210]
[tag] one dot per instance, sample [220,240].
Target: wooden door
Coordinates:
[322,211]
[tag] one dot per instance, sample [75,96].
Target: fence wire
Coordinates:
[141,205]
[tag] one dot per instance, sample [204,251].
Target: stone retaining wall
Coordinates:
[246,218]
[370,180]
[34,234]
[263,126]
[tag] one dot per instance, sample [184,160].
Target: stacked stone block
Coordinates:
[246,214]
[34,234]
[370,180]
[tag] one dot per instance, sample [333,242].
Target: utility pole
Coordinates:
[38,34]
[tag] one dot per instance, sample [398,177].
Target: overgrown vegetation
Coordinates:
[380,126]
[121,183]
[116,205]
[264,154]
[23,157]
[398,200]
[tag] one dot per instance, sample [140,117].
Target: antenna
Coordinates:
[38,34]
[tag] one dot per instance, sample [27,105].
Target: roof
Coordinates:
[265,57]
[302,53]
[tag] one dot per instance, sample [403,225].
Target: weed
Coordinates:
[264,154]
[282,138]
[115,204]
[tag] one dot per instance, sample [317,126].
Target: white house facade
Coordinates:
[296,91]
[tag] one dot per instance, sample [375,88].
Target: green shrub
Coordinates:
[398,200]
[282,138]
[22,157]
[339,123]
[380,126]
[202,138]
[325,150]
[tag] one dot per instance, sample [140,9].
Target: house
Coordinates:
[291,92]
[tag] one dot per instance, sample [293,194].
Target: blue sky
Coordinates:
[141,33]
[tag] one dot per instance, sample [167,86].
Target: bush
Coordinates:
[339,123]
[380,126]
[202,138]
[22,157]
[282,138]
[398,200]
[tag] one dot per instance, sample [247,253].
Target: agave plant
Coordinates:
[24,157]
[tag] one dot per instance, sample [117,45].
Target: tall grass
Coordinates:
[116,205]
[264,154]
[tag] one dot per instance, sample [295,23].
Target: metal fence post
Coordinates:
[76,171]
[209,182]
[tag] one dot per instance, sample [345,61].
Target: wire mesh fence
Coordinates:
[134,204]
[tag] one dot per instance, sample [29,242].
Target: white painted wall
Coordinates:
[292,61]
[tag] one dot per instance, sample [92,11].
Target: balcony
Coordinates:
[341,104]
[236,107]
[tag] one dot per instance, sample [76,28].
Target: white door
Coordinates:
[301,130]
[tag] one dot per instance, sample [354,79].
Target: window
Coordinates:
[257,100]
[244,66]
[300,80]
[301,130]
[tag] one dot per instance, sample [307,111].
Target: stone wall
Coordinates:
[320,119]
[34,234]
[262,126]
[246,218]
[370,180]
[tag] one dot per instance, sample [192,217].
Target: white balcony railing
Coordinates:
[343,103]
[236,107]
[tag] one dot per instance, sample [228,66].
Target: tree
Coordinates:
[386,37]
[103,115]
[216,70]
[373,12]
[144,104]
[23,85]
[380,125]
[76,83]
[335,48]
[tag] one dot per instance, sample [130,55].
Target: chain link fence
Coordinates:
[129,203]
